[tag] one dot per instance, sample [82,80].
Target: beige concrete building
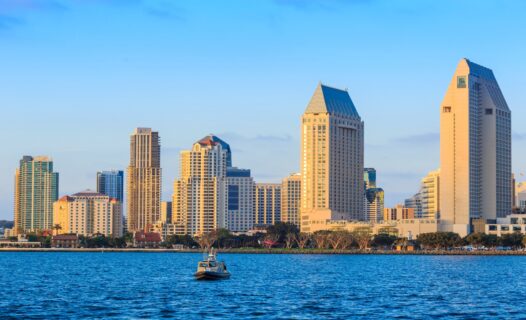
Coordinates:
[291,199]
[401,228]
[430,195]
[143,185]
[88,213]
[332,142]
[475,149]
[200,198]
[267,203]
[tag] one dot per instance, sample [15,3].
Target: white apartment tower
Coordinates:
[332,146]
[475,149]
[199,203]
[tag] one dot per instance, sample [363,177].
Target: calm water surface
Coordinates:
[160,285]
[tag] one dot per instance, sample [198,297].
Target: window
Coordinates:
[489,111]
[446,109]
[461,81]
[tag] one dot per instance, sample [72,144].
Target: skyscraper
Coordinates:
[267,203]
[111,183]
[332,142]
[199,202]
[36,188]
[475,149]
[374,197]
[144,180]
[291,199]
[240,189]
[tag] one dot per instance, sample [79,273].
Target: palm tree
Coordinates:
[57,227]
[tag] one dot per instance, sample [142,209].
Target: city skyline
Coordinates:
[276,97]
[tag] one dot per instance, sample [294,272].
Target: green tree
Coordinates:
[439,240]
[383,240]
[513,240]
[280,230]
[362,237]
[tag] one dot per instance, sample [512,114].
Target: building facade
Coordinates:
[291,199]
[88,213]
[200,197]
[144,180]
[240,201]
[415,203]
[36,188]
[267,203]
[398,213]
[475,149]
[166,212]
[111,183]
[332,144]
[430,195]
[373,197]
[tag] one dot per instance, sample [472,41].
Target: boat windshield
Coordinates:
[203,264]
[213,264]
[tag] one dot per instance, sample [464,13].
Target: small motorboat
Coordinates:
[211,269]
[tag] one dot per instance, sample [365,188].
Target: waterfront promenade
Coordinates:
[280,251]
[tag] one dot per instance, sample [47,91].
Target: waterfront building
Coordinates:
[88,213]
[36,188]
[475,149]
[166,212]
[415,202]
[374,197]
[332,144]
[240,200]
[200,198]
[144,180]
[267,203]
[111,183]
[398,213]
[291,199]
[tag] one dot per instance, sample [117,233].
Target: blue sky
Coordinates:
[78,76]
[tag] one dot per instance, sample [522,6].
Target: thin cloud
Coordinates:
[234,137]
[425,138]
[306,5]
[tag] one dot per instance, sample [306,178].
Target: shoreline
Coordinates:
[275,251]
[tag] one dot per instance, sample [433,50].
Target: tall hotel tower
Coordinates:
[331,160]
[200,195]
[144,180]
[475,149]
[36,188]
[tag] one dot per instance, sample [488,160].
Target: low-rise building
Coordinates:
[65,241]
[147,239]
[510,224]
[398,213]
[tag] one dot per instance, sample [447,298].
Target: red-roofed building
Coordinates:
[147,239]
[65,241]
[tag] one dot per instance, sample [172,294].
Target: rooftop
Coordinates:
[333,101]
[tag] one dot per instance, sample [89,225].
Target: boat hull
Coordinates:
[210,275]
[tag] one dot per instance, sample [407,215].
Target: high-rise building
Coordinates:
[166,212]
[36,188]
[144,180]
[332,143]
[200,197]
[475,149]
[415,203]
[240,201]
[369,177]
[111,183]
[374,204]
[88,213]
[291,199]
[267,203]
[374,197]
[430,195]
